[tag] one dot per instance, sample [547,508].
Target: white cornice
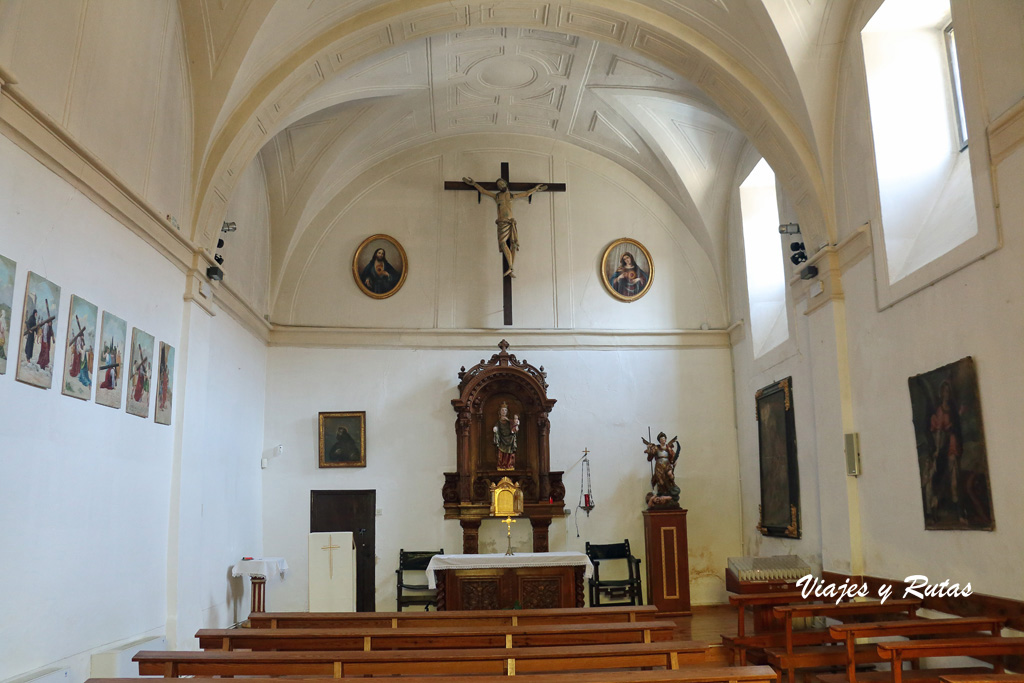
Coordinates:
[327,337]
[49,143]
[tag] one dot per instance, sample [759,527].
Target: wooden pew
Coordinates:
[535,635]
[790,658]
[741,644]
[898,652]
[985,677]
[498,661]
[848,634]
[716,674]
[507,617]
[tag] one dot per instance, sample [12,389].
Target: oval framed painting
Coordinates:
[627,269]
[380,266]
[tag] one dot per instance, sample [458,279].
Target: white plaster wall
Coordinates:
[454,276]
[83,488]
[788,359]
[215,506]
[246,251]
[976,312]
[120,527]
[114,75]
[606,402]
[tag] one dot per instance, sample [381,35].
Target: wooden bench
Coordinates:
[848,634]
[985,677]
[508,617]
[533,635]
[337,664]
[716,674]
[897,652]
[741,645]
[791,657]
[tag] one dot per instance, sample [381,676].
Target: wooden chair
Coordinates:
[629,590]
[419,593]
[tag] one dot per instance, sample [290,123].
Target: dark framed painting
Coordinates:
[780,477]
[627,269]
[951,454]
[380,266]
[343,439]
[38,332]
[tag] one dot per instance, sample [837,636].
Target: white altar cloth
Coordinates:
[260,566]
[499,561]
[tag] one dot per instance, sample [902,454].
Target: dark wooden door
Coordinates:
[350,511]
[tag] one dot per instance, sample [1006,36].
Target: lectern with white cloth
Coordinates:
[258,569]
[332,572]
[493,581]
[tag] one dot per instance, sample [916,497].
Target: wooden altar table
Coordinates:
[493,581]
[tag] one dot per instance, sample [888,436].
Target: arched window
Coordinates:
[766,276]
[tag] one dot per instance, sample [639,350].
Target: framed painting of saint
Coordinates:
[780,478]
[7,268]
[164,385]
[110,372]
[140,371]
[627,269]
[37,351]
[380,266]
[951,454]
[80,349]
[343,439]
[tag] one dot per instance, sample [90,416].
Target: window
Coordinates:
[766,276]
[924,181]
[954,81]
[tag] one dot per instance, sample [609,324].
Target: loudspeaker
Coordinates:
[853,454]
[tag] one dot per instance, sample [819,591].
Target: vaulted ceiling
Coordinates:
[672,90]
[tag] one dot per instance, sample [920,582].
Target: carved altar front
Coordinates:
[483,389]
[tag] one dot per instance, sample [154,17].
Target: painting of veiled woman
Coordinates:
[627,269]
[38,332]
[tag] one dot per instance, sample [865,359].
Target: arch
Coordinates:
[751,104]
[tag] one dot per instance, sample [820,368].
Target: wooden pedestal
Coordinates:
[668,566]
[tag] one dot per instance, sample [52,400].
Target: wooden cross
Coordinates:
[330,548]
[514,188]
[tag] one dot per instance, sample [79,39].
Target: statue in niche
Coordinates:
[508,233]
[663,454]
[506,433]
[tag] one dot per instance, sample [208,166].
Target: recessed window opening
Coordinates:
[766,276]
[924,182]
[958,95]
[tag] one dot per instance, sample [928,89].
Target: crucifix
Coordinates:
[330,548]
[509,521]
[504,192]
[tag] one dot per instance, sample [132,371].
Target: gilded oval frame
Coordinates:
[609,264]
[363,257]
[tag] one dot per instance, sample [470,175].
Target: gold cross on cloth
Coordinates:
[330,548]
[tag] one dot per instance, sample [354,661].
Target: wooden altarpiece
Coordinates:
[467,491]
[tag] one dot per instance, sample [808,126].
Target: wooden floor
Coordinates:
[708,624]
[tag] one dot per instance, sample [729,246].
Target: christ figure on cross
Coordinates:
[508,233]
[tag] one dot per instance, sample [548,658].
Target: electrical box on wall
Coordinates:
[853,454]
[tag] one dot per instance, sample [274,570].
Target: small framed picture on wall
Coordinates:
[627,269]
[343,439]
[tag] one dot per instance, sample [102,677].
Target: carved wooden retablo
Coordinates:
[480,425]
